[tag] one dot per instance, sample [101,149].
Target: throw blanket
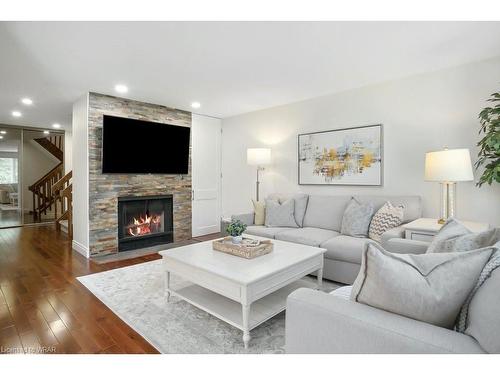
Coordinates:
[492,264]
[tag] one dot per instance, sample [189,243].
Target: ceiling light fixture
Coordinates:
[3,132]
[46,132]
[56,126]
[16,114]
[1,136]
[27,101]
[122,89]
[195,105]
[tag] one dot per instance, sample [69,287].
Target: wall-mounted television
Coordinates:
[135,147]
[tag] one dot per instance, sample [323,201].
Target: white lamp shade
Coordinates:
[258,156]
[448,165]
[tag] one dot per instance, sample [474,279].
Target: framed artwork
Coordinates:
[351,156]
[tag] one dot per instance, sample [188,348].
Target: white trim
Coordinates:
[79,248]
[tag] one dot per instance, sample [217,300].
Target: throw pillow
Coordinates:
[450,230]
[280,215]
[259,209]
[466,242]
[356,219]
[426,287]
[387,217]
[300,207]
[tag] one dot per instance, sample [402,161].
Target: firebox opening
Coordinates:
[144,221]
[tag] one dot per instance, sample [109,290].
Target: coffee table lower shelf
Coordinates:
[230,311]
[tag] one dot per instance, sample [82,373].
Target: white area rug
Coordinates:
[136,294]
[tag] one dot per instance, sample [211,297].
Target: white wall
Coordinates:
[36,162]
[68,151]
[419,114]
[80,177]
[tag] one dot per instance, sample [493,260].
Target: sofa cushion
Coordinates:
[345,248]
[426,287]
[356,219]
[483,321]
[307,236]
[280,214]
[325,212]
[412,204]
[263,231]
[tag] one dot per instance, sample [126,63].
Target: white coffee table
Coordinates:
[242,292]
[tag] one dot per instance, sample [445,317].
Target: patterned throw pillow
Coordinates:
[386,218]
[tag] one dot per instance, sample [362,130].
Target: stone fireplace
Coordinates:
[144,221]
[106,192]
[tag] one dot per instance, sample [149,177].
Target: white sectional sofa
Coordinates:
[321,227]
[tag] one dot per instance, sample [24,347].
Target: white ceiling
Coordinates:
[231,68]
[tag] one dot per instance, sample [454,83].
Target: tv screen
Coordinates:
[135,146]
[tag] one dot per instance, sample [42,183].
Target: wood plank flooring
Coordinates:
[44,309]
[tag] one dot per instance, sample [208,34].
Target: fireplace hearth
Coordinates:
[144,221]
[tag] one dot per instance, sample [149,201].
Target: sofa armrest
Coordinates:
[317,322]
[247,219]
[404,246]
[398,232]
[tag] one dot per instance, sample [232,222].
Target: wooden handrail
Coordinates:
[58,169]
[62,182]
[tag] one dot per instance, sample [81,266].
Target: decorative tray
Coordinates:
[246,249]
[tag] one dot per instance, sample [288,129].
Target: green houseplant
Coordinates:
[235,229]
[489,146]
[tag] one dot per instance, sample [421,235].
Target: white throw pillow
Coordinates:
[427,287]
[387,217]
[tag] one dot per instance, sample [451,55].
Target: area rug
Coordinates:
[136,294]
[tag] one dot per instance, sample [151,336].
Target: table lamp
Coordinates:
[258,157]
[448,167]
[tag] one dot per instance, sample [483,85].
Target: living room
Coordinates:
[251,188]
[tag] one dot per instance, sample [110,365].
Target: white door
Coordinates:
[206,174]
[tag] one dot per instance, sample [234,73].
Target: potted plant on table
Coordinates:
[235,229]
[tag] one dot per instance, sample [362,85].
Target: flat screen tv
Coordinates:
[136,147]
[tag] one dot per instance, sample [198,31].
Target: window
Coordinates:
[8,171]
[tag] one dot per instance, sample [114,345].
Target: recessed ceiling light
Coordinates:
[56,126]
[122,89]
[46,132]
[1,136]
[16,114]
[27,101]
[3,132]
[195,104]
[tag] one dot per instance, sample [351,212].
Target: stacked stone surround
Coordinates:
[104,189]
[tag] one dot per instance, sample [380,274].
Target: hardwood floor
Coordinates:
[43,308]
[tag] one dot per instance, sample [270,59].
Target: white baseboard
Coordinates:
[79,248]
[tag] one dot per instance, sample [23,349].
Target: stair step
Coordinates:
[64,226]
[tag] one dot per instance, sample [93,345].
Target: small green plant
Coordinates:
[236,228]
[489,146]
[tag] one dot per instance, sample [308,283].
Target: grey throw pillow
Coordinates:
[300,206]
[280,215]
[356,219]
[466,242]
[426,287]
[450,230]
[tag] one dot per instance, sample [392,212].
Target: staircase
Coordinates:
[54,187]
[63,193]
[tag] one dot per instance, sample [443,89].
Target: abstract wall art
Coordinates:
[350,156]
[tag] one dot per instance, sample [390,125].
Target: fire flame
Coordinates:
[142,225]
